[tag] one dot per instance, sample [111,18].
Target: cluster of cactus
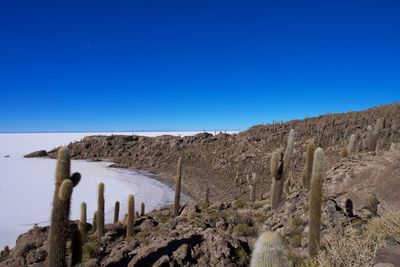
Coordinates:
[279,170]
[268,251]
[252,185]
[59,227]
[4,253]
[178,187]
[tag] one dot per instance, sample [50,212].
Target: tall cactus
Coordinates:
[178,187]
[131,216]
[76,247]
[116,212]
[100,211]
[372,135]
[315,203]
[351,144]
[309,163]
[279,170]
[268,251]
[276,172]
[83,223]
[94,224]
[142,211]
[252,186]
[59,226]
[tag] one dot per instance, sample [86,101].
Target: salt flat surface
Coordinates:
[27,185]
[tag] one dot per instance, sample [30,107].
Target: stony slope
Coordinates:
[223,233]
[212,161]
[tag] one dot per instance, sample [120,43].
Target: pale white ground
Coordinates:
[27,185]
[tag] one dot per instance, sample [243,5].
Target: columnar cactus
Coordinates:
[116,212]
[131,216]
[351,144]
[178,187]
[277,181]
[207,196]
[59,226]
[252,186]
[236,180]
[315,203]
[268,251]
[100,211]
[279,170]
[309,163]
[94,224]
[82,225]
[142,211]
[76,247]
[372,135]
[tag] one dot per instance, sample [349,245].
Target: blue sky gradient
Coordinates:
[192,65]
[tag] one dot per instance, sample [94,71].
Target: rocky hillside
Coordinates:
[214,160]
[223,233]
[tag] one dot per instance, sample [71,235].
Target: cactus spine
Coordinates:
[64,184]
[116,212]
[309,163]
[178,187]
[83,223]
[131,216]
[76,247]
[100,211]
[315,203]
[268,251]
[252,186]
[142,211]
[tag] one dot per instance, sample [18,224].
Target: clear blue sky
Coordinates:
[197,64]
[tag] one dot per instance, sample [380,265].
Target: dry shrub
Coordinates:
[386,226]
[346,246]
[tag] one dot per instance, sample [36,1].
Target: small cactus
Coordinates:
[142,211]
[76,247]
[116,212]
[59,225]
[82,225]
[344,152]
[100,211]
[309,163]
[315,203]
[207,196]
[268,251]
[236,180]
[131,216]
[178,187]
[252,186]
